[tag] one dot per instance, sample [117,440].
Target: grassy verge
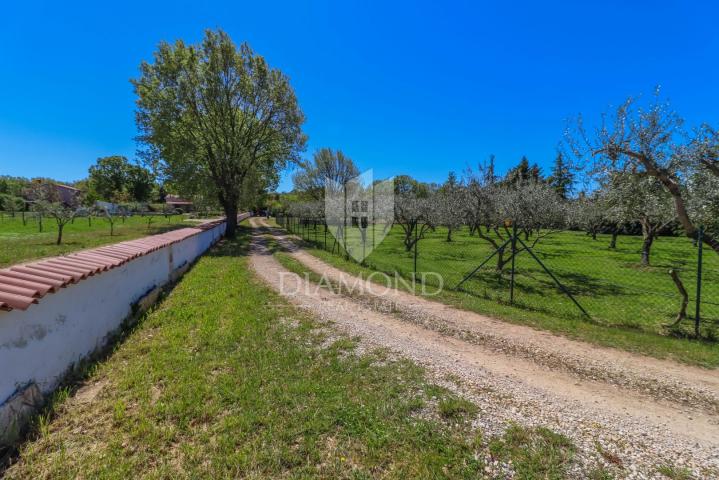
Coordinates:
[695,352]
[224,379]
[19,242]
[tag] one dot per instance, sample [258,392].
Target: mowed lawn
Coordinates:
[19,243]
[629,304]
[225,380]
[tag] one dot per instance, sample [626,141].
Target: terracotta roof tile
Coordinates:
[40,288]
[22,285]
[31,269]
[51,282]
[25,292]
[20,302]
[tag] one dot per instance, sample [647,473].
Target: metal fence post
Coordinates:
[697,315]
[344,224]
[514,255]
[415,251]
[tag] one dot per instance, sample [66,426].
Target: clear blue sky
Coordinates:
[414,88]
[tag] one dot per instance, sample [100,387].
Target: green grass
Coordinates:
[456,408]
[224,380]
[628,304]
[20,242]
[535,452]
[675,473]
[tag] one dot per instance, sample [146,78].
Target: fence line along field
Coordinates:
[22,239]
[611,284]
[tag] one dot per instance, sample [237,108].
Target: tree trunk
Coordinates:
[613,242]
[594,234]
[648,234]
[683,293]
[231,214]
[675,190]
[408,243]
[449,234]
[500,260]
[59,233]
[711,242]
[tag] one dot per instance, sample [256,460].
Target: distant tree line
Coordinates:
[643,174]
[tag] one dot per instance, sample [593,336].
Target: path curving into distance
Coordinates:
[646,412]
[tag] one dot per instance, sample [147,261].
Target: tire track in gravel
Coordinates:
[692,388]
[642,432]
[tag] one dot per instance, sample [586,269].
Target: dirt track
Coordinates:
[647,412]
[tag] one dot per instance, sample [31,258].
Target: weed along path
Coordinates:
[633,416]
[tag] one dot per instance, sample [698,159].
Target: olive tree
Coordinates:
[213,116]
[11,203]
[641,199]
[703,200]
[651,140]
[47,202]
[589,213]
[415,215]
[494,209]
[61,213]
[535,208]
[448,205]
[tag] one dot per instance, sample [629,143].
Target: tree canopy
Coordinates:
[217,119]
[115,179]
[649,139]
[325,164]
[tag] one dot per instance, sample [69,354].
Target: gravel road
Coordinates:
[625,412]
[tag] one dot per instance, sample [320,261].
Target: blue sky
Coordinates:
[418,88]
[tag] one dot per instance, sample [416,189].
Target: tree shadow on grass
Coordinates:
[233,247]
[575,282]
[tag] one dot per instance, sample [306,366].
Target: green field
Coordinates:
[20,242]
[224,379]
[629,305]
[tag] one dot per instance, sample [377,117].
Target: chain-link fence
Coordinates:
[566,274]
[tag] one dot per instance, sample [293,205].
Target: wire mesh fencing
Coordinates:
[565,274]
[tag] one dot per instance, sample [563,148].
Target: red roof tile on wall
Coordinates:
[22,285]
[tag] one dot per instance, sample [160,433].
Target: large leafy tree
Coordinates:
[325,164]
[115,179]
[217,119]
[139,183]
[108,177]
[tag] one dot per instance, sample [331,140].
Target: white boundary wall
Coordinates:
[40,344]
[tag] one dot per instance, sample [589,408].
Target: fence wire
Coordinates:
[556,273]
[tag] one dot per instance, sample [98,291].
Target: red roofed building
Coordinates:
[178,203]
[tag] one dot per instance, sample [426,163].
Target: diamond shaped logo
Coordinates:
[359,213]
